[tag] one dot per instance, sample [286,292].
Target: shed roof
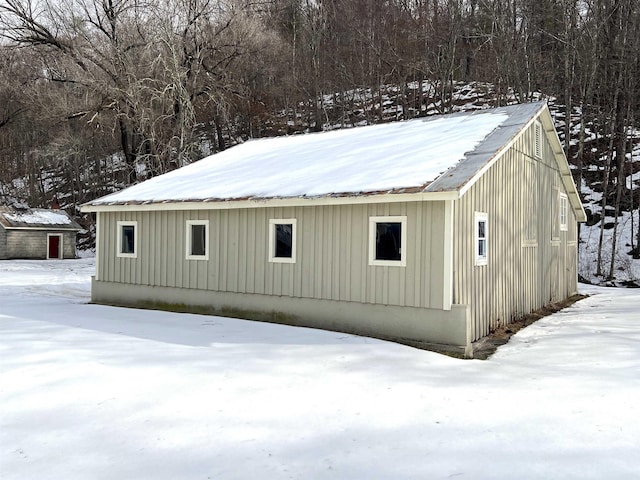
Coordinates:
[433,155]
[36,218]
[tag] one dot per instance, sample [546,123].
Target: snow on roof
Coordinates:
[37,217]
[379,158]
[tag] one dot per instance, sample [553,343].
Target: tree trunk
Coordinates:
[605,193]
[126,143]
[620,164]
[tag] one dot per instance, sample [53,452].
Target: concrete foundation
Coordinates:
[427,328]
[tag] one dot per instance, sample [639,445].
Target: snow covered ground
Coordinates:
[94,392]
[627,269]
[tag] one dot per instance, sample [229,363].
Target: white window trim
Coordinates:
[563,211]
[60,246]
[133,224]
[481,217]
[188,254]
[272,239]
[555,219]
[403,241]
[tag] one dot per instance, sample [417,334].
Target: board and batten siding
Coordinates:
[3,243]
[531,263]
[331,259]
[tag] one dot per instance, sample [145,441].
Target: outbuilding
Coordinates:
[37,233]
[432,231]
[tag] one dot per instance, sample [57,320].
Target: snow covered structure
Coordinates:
[431,230]
[37,233]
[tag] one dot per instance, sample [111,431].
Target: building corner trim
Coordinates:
[447,284]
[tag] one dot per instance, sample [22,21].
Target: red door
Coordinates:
[54,246]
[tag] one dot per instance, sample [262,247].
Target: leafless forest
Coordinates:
[98,94]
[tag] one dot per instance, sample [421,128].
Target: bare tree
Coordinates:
[142,65]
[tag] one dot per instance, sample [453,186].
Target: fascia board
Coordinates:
[52,228]
[563,166]
[273,202]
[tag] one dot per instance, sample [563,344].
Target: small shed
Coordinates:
[37,233]
[434,230]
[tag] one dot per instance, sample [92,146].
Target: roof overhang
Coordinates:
[271,202]
[52,227]
[544,117]
[563,165]
[476,163]
[498,154]
[449,186]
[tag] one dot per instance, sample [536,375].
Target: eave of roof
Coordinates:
[428,139]
[48,228]
[12,224]
[477,162]
[261,202]
[563,165]
[450,185]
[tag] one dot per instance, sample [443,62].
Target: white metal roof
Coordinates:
[429,156]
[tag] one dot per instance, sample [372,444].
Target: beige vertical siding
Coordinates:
[531,262]
[332,253]
[3,243]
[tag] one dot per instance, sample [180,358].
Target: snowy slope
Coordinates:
[102,393]
[626,269]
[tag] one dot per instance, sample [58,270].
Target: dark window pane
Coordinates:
[482,247]
[128,239]
[284,240]
[481,230]
[198,234]
[388,241]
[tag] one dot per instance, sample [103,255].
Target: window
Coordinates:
[387,241]
[197,239]
[564,226]
[537,149]
[481,237]
[282,240]
[127,239]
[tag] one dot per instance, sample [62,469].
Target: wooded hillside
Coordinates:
[98,94]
